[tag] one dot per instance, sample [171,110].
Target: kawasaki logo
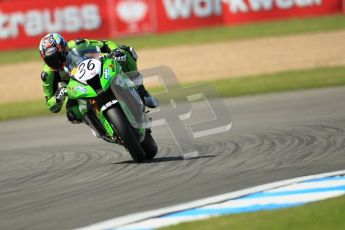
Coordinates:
[36,22]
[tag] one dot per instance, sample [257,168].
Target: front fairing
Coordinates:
[78,90]
[111,69]
[125,91]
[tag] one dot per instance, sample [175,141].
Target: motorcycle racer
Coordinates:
[54,51]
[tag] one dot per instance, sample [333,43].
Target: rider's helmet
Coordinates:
[53,49]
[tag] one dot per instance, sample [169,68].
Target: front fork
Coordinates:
[99,113]
[110,133]
[91,113]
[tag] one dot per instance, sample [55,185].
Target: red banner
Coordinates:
[241,11]
[175,15]
[23,23]
[133,17]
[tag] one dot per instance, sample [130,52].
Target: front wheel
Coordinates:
[149,145]
[126,133]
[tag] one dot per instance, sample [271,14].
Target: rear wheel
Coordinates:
[149,145]
[126,133]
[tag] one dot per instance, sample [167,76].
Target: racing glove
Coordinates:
[118,55]
[60,93]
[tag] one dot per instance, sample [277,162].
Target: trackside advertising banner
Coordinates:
[240,11]
[185,14]
[24,22]
[132,17]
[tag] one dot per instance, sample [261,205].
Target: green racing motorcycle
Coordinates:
[109,102]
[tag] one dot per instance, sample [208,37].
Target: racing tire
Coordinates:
[150,146]
[126,133]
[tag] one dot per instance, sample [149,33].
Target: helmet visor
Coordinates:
[55,61]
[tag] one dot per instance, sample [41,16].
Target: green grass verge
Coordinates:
[328,214]
[284,81]
[213,34]
[23,109]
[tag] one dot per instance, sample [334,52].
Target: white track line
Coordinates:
[158,222]
[132,218]
[285,199]
[310,185]
[299,199]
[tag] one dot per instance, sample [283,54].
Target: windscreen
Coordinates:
[80,53]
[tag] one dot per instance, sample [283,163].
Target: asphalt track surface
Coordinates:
[54,175]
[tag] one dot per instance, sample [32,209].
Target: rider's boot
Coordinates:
[73,113]
[149,100]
